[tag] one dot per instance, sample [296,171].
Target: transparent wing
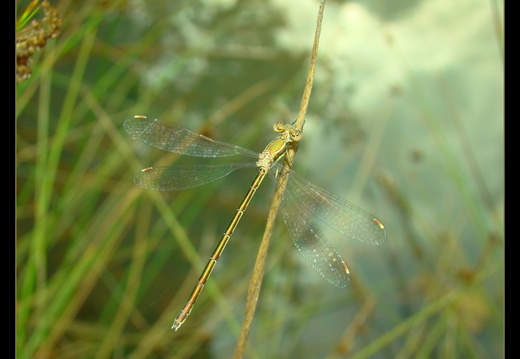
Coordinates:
[176,178]
[172,138]
[340,214]
[311,242]
[303,202]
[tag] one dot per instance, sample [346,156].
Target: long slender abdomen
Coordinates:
[186,310]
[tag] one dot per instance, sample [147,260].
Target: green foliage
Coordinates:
[403,122]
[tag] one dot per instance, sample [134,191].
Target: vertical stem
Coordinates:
[255,283]
[300,120]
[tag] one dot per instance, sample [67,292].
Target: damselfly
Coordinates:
[302,201]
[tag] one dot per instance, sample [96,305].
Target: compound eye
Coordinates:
[279,127]
[296,135]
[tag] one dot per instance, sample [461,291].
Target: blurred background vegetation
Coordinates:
[405,120]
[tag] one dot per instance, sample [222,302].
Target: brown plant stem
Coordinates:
[258,271]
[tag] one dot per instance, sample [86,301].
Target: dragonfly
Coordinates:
[302,203]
